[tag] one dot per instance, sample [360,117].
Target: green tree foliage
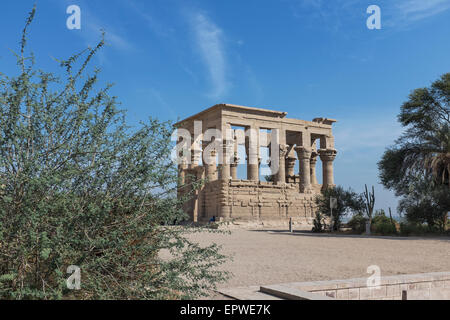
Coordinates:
[357,223]
[79,187]
[417,168]
[427,203]
[382,224]
[318,223]
[347,202]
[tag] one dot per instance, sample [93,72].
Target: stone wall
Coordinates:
[424,286]
[243,200]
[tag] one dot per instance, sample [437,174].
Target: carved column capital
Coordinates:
[234,160]
[327,154]
[290,161]
[303,152]
[313,158]
[198,171]
[283,150]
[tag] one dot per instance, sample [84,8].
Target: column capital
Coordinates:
[198,171]
[303,152]
[327,154]
[314,155]
[290,161]
[234,160]
[283,150]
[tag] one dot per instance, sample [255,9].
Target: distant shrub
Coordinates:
[383,225]
[318,223]
[380,218]
[385,228]
[357,223]
[409,228]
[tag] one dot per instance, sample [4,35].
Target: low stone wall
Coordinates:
[242,200]
[424,286]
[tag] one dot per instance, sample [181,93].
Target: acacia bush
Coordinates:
[348,202]
[413,229]
[80,187]
[357,223]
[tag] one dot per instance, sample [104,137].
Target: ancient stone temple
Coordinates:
[208,149]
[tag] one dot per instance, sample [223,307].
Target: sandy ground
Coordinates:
[275,256]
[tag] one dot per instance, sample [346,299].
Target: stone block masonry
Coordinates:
[423,286]
[290,141]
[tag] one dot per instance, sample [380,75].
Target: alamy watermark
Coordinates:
[74,20]
[73,282]
[374,20]
[216,147]
[374,281]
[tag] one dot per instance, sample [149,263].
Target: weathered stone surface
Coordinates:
[422,287]
[291,293]
[289,196]
[247,293]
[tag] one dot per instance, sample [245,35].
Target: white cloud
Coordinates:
[112,38]
[395,14]
[156,25]
[92,27]
[209,40]
[414,10]
[366,132]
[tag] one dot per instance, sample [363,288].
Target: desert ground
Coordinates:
[262,256]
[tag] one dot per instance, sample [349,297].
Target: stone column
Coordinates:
[209,159]
[198,175]
[233,169]
[313,162]
[211,169]
[196,154]
[234,160]
[281,176]
[252,149]
[182,167]
[327,156]
[304,158]
[225,172]
[290,164]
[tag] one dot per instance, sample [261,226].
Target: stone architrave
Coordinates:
[251,199]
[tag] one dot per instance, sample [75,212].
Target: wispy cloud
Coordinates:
[209,39]
[370,133]
[92,27]
[395,14]
[156,25]
[325,13]
[415,10]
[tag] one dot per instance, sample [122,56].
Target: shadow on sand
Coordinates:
[306,233]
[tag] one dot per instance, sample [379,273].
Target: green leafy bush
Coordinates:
[80,187]
[318,223]
[381,224]
[413,229]
[380,217]
[347,202]
[357,223]
[385,228]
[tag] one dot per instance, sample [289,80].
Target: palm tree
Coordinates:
[427,139]
[422,153]
[432,154]
[438,162]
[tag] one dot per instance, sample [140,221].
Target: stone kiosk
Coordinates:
[227,198]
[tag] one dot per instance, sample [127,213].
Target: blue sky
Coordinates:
[312,58]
